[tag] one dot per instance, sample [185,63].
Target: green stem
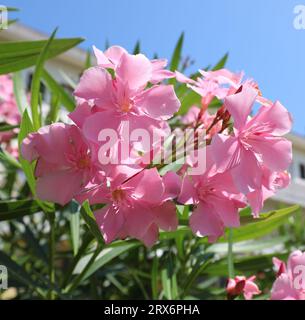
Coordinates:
[231,272]
[52,254]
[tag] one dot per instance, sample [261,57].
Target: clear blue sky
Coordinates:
[258,34]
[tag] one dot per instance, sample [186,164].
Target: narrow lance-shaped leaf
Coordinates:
[26,127]
[35,86]
[14,209]
[75,226]
[19,92]
[221,63]
[15,56]
[177,54]
[89,218]
[137,48]
[65,98]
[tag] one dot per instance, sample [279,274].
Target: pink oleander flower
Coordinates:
[219,84]
[8,108]
[256,143]
[64,164]
[9,112]
[216,200]
[136,207]
[125,99]
[290,282]
[271,183]
[112,56]
[242,285]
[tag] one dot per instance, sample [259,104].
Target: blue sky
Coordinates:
[258,34]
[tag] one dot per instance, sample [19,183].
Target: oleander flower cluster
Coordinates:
[246,153]
[9,114]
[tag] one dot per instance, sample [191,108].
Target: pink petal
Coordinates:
[95,83]
[114,54]
[248,174]
[110,221]
[101,58]
[94,124]
[151,236]
[158,72]
[172,183]
[183,79]
[134,70]
[226,211]
[50,142]
[81,112]
[205,222]
[28,147]
[188,194]
[276,152]
[159,102]
[166,216]
[282,289]
[148,186]
[250,290]
[296,259]
[59,186]
[226,152]
[276,116]
[240,105]
[138,220]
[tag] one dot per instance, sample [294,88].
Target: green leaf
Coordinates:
[221,63]
[169,279]
[75,226]
[177,54]
[248,246]
[7,127]
[103,257]
[26,127]
[15,56]
[154,278]
[8,160]
[199,267]
[243,265]
[191,98]
[88,63]
[54,109]
[19,92]
[137,48]
[35,86]
[14,209]
[87,239]
[89,218]
[262,226]
[65,98]
[10,9]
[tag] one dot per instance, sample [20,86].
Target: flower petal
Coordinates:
[159,102]
[240,105]
[134,70]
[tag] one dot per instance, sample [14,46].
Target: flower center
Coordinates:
[126,106]
[204,192]
[83,162]
[118,195]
